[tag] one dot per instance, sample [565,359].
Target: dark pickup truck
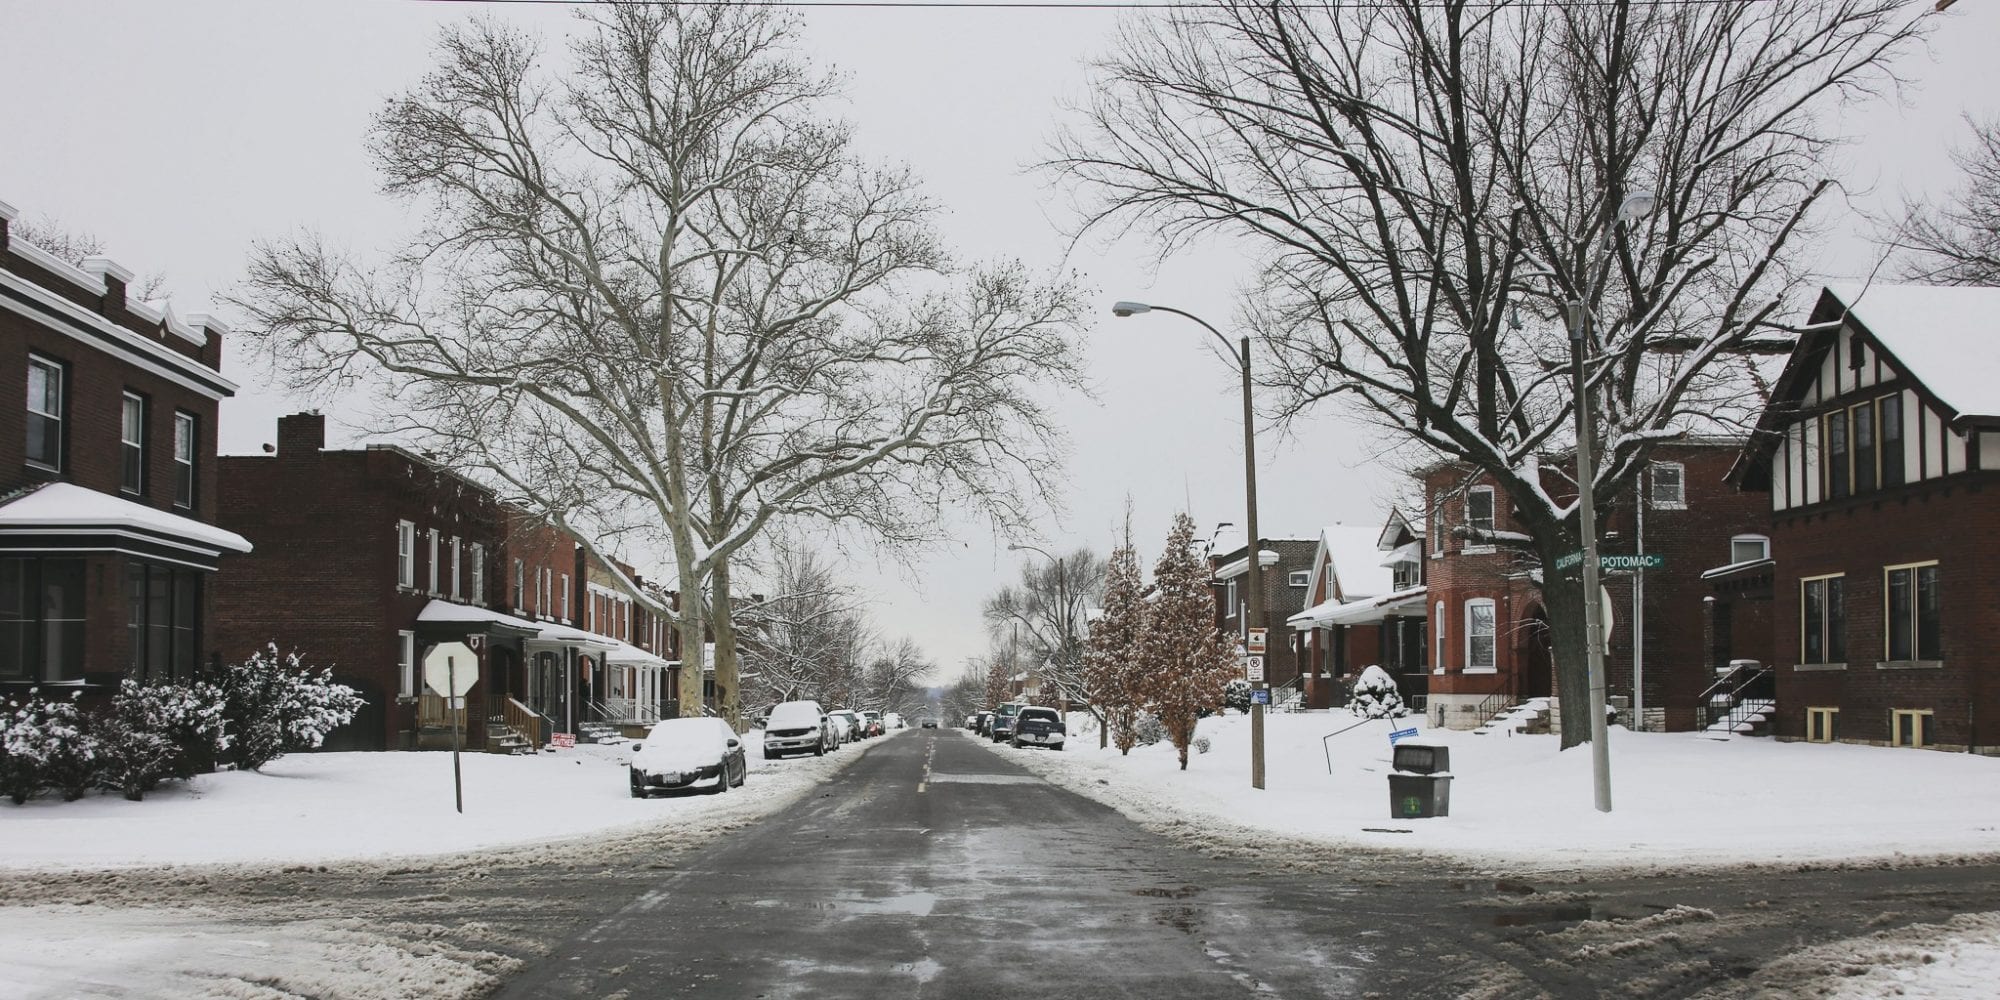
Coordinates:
[1038,727]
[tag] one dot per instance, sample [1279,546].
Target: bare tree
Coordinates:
[659,299]
[890,681]
[1957,241]
[73,246]
[1048,612]
[809,634]
[1428,186]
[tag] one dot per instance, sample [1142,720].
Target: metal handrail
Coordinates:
[1736,712]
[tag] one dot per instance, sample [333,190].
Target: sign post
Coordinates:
[444,674]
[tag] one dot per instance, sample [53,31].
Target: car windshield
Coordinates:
[1044,714]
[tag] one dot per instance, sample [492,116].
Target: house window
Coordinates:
[457,588]
[1406,575]
[1819,724]
[406,554]
[1437,526]
[185,438]
[406,664]
[1302,578]
[41,619]
[132,444]
[1479,515]
[520,585]
[478,573]
[1910,727]
[1669,485]
[437,537]
[548,591]
[1889,428]
[163,616]
[45,413]
[1823,620]
[1838,455]
[565,597]
[1861,421]
[1229,599]
[1437,647]
[1749,548]
[1910,613]
[1481,636]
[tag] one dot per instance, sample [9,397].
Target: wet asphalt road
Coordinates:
[936,867]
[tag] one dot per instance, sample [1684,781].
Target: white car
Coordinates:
[689,753]
[797,727]
[894,720]
[843,726]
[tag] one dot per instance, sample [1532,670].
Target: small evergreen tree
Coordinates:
[154,732]
[1187,659]
[1111,656]
[1375,696]
[45,745]
[275,705]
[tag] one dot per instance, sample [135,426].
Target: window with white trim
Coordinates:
[1823,620]
[1229,599]
[437,540]
[1479,516]
[1301,578]
[1481,636]
[132,444]
[565,598]
[520,585]
[1669,485]
[1910,613]
[406,554]
[186,434]
[1437,525]
[1910,727]
[478,573]
[46,386]
[1819,724]
[457,571]
[1749,548]
[1437,646]
[406,664]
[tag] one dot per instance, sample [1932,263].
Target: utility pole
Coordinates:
[1254,617]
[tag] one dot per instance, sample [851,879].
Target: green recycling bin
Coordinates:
[1419,796]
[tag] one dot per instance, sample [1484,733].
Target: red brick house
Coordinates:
[1284,566]
[370,556]
[1880,458]
[1488,632]
[108,536]
[1364,606]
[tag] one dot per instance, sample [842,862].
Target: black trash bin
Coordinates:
[1419,796]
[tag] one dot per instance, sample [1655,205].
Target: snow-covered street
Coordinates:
[1680,800]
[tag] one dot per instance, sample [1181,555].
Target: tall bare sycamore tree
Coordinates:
[1048,611]
[658,297]
[1426,185]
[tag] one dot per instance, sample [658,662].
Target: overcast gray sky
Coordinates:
[178,132]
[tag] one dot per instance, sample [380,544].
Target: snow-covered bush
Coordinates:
[1149,729]
[1375,696]
[273,705]
[158,731]
[44,745]
[1201,744]
[1236,695]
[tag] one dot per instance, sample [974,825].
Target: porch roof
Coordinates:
[65,517]
[439,613]
[631,655]
[1408,603]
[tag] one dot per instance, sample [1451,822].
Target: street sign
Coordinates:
[451,668]
[1616,564]
[1256,642]
[1260,696]
[1253,669]
[1573,559]
[1400,735]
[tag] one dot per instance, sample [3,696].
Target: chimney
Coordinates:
[301,434]
[115,277]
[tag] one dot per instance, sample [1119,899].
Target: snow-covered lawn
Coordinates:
[340,806]
[1680,800]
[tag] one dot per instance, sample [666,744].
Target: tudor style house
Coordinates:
[369,557]
[1880,454]
[1488,631]
[108,540]
[1364,606]
[1284,567]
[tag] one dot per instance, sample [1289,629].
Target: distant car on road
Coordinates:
[871,724]
[930,723]
[1001,729]
[1039,727]
[797,727]
[681,754]
[893,721]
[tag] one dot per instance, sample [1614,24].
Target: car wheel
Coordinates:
[768,755]
[638,793]
[819,749]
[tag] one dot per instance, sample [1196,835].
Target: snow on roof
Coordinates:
[448,611]
[1356,557]
[1947,337]
[66,506]
[1404,603]
[1412,552]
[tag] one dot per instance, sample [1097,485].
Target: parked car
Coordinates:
[1001,729]
[797,727]
[893,721]
[1039,727]
[848,723]
[982,723]
[681,754]
[871,724]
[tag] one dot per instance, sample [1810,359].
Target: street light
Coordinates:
[1255,612]
[1062,612]
[1634,207]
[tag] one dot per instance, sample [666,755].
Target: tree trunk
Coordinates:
[689,625]
[722,619]
[1562,597]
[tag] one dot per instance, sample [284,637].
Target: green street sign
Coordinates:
[1616,564]
[1573,559]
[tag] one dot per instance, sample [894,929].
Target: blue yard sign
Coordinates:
[1260,696]
[1400,735]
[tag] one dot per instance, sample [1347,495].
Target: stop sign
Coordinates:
[451,668]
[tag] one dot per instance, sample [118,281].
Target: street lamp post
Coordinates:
[1063,622]
[1635,206]
[1255,613]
